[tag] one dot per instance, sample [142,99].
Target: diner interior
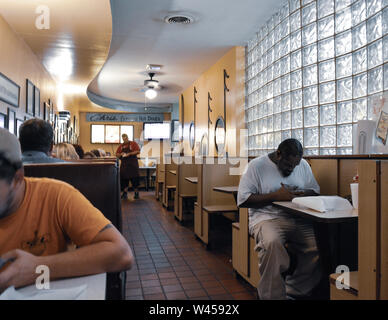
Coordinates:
[204,88]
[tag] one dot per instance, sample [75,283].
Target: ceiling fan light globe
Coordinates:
[151,94]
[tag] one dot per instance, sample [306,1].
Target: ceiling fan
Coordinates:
[151,87]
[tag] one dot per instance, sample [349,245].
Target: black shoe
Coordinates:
[136,195]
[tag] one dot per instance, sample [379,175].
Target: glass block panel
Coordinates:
[285,65]
[295,21]
[327,92]
[310,75]
[375,54]
[359,36]
[286,134]
[359,61]
[360,85]
[386,76]
[270,90]
[328,136]
[277,121]
[277,34]
[372,6]
[298,135]
[296,99]
[309,34]
[296,60]
[270,142]
[326,49]
[385,48]
[277,69]
[374,106]
[344,151]
[326,27]
[328,151]
[295,40]
[284,11]
[276,52]
[375,80]
[343,20]
[294,4]
[277,138]
[286,101]
[310,96]
[325,7]
[344,89]
[270,106]
[311,117]
[340,4]
[344,112]
[344,66]
[296,79]
[328,114]
[270,124]
[285,28]
[311,137]
[286,83]
[344,135]
[360,109]
[374,28]
[358,12]
[297,118]
[310,54]
[304,2]
[385,20]
[311,151]
[277,87]
[343,43]
[327,71]
[309,14]
[277,104]
[286,120]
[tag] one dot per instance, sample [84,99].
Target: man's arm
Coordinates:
[108,252]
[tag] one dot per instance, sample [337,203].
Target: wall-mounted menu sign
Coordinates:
[124,117]
[9,91]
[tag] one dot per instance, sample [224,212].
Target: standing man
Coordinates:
[129,169]
[281,176]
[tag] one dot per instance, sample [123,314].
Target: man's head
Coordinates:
[288,155]
[125,137]
[36,135]
[11,172]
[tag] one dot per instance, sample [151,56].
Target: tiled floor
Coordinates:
[171,264]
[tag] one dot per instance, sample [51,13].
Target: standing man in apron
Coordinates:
[129,170]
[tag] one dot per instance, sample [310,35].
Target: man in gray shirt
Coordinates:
[281,176]
[36,141]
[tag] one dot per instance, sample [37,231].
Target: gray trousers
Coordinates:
[271,237]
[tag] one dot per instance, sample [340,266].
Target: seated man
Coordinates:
[281,176]
[39,217]
[36,141]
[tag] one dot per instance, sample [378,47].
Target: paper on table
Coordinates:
[324,203]
[76,293]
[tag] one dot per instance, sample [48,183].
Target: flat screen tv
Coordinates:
[159,130]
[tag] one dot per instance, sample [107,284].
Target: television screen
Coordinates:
[128,130]
[112,134]
[98,133]
[157,130]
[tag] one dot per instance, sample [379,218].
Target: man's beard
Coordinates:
[6,210]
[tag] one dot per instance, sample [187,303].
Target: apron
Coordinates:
[129,167]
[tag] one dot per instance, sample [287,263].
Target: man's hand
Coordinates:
[20,272]
[285,194]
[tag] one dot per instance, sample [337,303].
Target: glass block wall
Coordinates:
[313,70]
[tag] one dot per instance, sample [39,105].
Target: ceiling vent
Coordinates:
[179,19]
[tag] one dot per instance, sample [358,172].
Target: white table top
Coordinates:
[96,286]
[227,189]
[147,167]
[192,179]
[327,217]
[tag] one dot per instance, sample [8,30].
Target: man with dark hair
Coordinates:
[38,218]
[281,176]
[36,141]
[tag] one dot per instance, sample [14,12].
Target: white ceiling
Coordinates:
[140,37]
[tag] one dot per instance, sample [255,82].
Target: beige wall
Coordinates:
[85,138]
[18,63]
[213,81]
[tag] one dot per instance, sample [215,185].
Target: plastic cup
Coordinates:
[354,190]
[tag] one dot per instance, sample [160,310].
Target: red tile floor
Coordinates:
[171,264]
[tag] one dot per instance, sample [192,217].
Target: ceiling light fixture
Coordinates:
[151,86]
[151,94]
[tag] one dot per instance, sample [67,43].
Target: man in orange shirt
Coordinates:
[39,217]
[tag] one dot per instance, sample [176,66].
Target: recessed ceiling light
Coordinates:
[178,19]
[153,67]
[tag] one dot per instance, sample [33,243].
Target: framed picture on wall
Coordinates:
[30,98]
[37,102]
[46,111]
[18,124]
[3,118]
[9,91]
[11,121]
